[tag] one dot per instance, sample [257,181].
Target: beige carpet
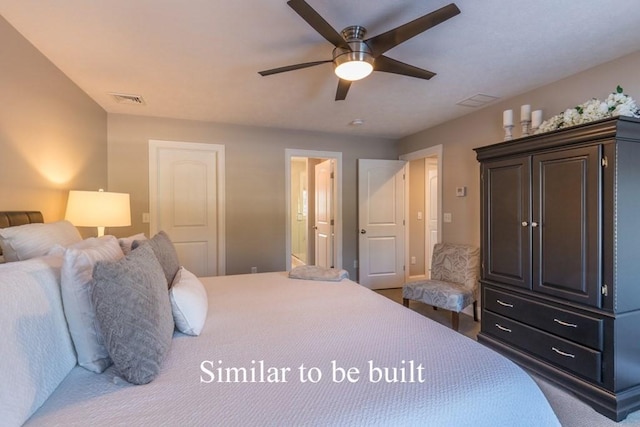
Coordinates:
[570,411]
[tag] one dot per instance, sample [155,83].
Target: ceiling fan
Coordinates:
[354,58]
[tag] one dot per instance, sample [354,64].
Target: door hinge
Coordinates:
[331,222]
[605,290]
[605,162]
[331,175]
[404,267]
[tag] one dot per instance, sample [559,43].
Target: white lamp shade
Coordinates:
[98,209]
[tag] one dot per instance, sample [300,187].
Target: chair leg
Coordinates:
[475,311]
[455,320]
[405,302]
[435,308]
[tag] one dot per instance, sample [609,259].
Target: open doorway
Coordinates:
[313,196]
[424,206]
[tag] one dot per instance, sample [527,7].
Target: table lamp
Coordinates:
[98,209]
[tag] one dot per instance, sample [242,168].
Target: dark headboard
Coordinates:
[9,219]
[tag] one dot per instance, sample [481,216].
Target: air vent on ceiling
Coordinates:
[125,98]
[477,100]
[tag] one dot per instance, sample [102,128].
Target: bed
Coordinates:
[281,351]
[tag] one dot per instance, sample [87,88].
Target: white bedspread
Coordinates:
[288,323]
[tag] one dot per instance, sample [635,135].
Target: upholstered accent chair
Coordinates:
[455,271]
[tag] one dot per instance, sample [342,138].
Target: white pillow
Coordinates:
[189,302]
[36,352]
[77,285]
[126,242]
[27,241]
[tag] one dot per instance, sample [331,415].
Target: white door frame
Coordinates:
[435,151]
[154,145]
[337,156]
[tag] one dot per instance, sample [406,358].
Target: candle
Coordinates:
[536,119]
[525,113]
[507,118]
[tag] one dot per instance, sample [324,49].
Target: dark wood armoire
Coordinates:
[561,258]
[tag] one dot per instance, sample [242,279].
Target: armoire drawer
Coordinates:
[560,352]
[576,327]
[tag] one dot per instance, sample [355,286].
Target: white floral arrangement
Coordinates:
[616,104]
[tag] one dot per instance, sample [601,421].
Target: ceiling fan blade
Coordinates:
[318,23]
[389,65]
[292,67]
[343,88]
[385,41]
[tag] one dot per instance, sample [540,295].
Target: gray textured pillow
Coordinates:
[165,252]
[134,313]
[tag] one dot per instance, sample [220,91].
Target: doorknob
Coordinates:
[363,231]
[315,227]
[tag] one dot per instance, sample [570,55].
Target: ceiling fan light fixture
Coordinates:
[353,70]
[353,64]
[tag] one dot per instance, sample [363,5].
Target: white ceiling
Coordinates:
[199,59]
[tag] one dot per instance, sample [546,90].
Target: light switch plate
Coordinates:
[446,217]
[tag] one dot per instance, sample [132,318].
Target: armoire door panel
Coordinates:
[566,224]
[507,242]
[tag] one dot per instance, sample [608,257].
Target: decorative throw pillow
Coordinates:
[189,302]
[76,283]
[134,313]
[126,242]
[27,241]
[165,252]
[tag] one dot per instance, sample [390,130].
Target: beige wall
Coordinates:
[299,241]
[255,180]
[484,127]
[53,137]
[417,226]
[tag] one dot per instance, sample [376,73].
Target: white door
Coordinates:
[186,200]
[381,222]
[431,235]
[324,214]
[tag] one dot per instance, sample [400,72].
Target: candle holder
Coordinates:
[526,127]
[508,132]
[534,129]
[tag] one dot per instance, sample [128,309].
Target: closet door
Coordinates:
[566,224]
[506,240]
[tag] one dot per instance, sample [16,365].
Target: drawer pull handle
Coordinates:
[504,304]
[562,353]
[502,328]
[570,325]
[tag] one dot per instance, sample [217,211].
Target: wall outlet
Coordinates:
[254,270]
[146,218]
[355,263]
[447,217]
[413,260]
[461,191]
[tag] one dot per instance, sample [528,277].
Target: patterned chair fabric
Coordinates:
[455,271]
